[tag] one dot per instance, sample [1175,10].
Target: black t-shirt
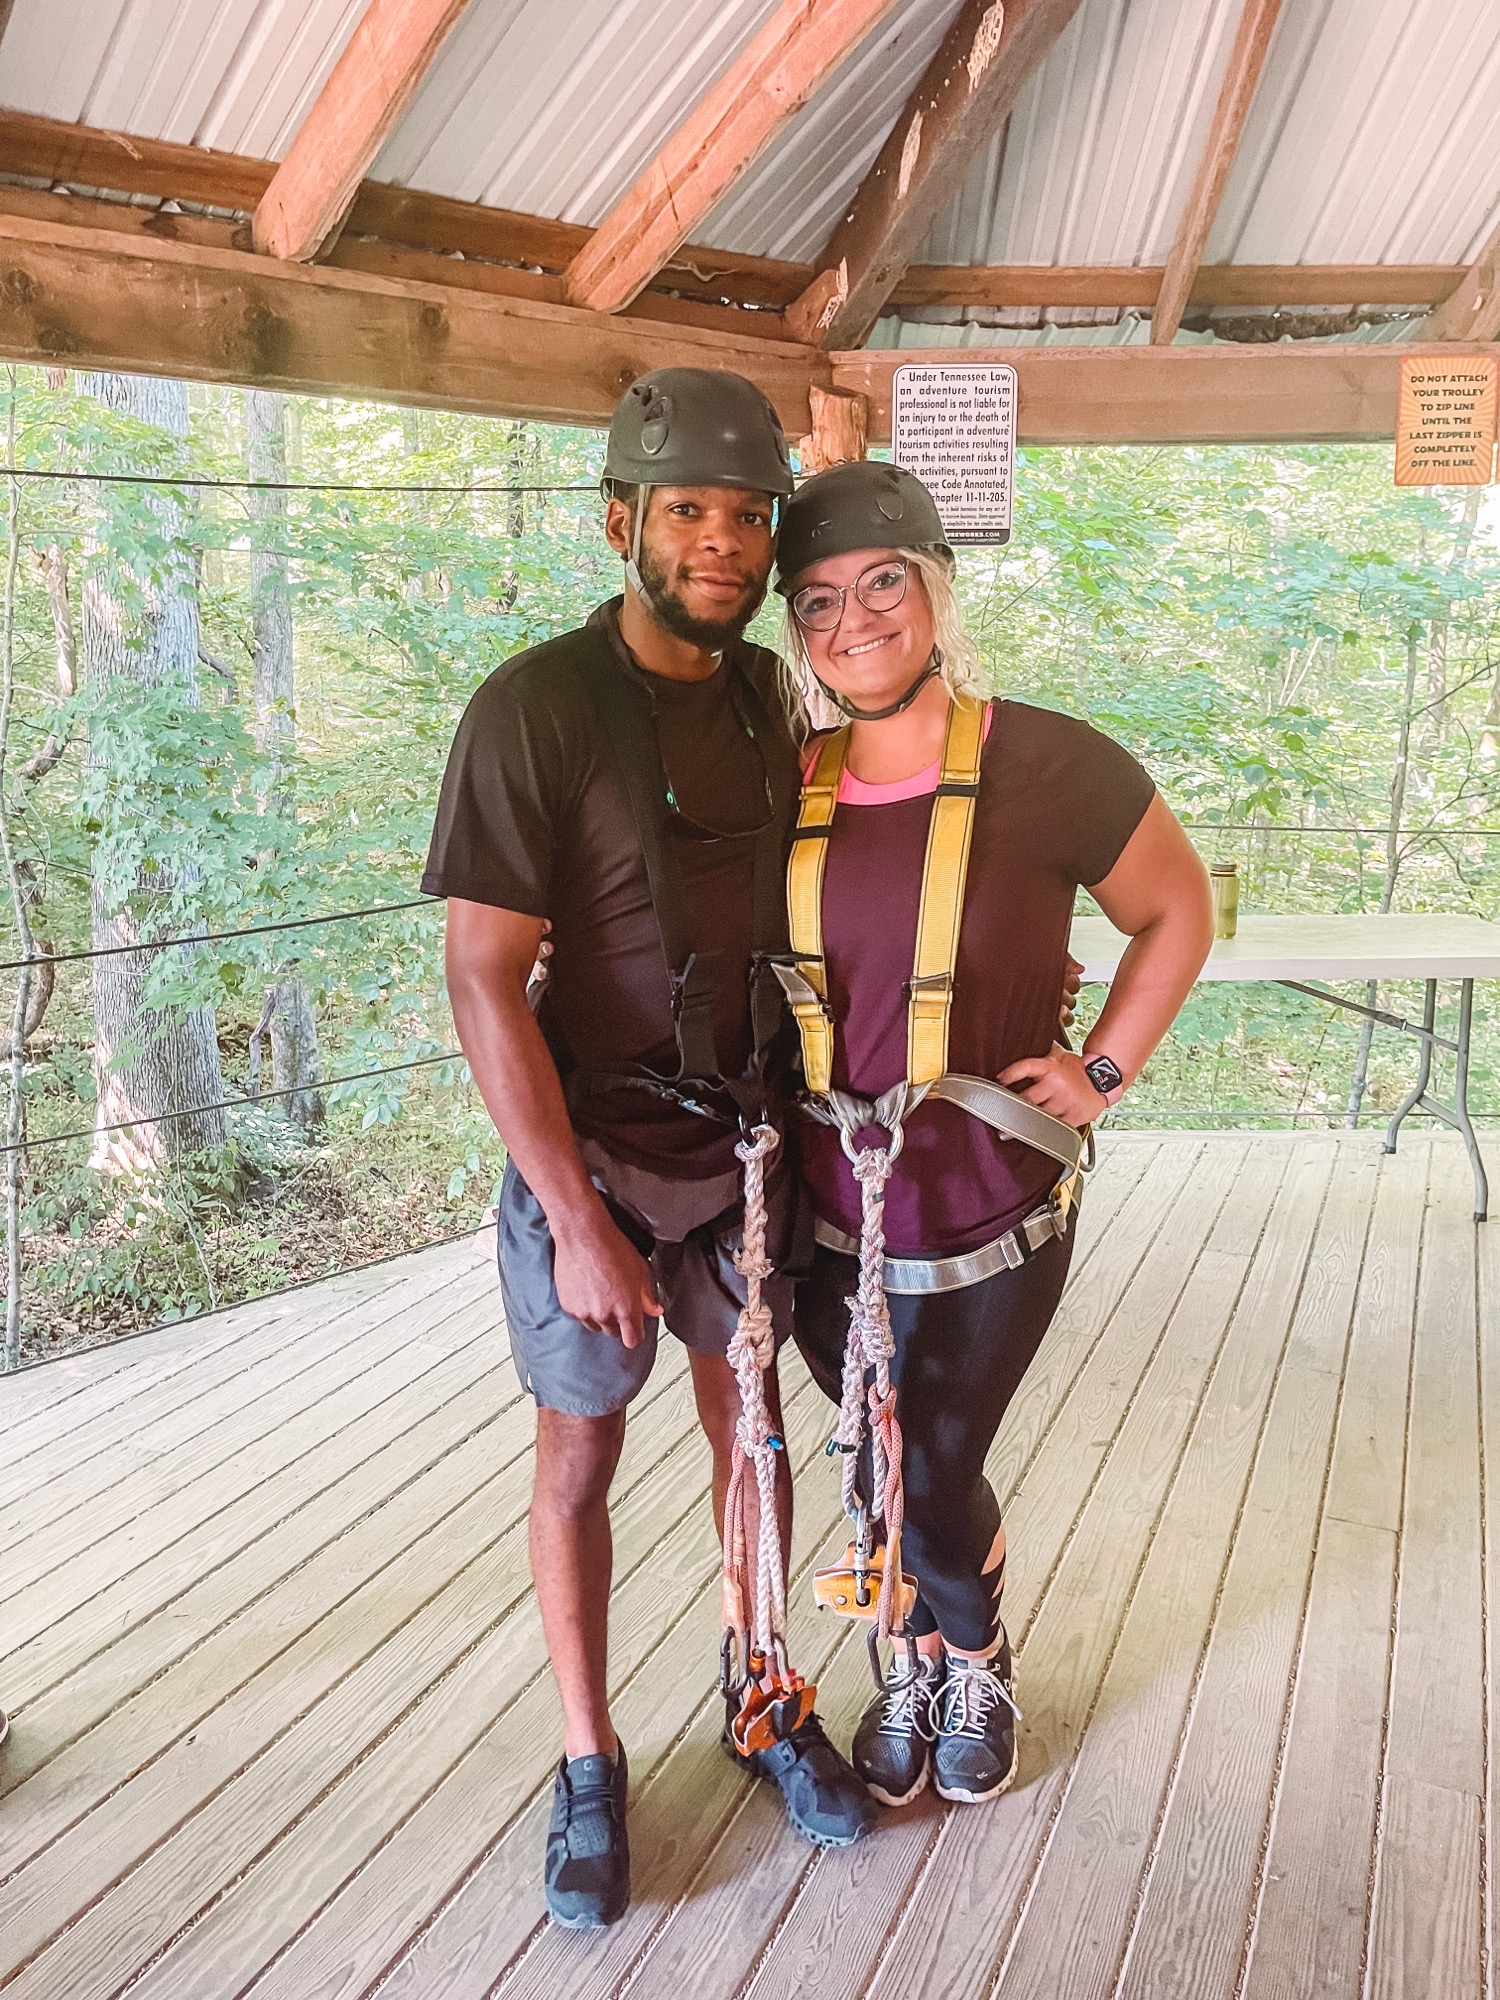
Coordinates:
[534,817]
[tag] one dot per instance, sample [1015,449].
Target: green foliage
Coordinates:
[1239,617]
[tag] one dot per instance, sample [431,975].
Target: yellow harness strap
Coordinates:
[949,835]
[804,897]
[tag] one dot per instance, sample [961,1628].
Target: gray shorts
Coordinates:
[567,1366]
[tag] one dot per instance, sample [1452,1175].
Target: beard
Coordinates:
[672,614]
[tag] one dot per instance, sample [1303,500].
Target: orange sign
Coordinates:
[1445,420]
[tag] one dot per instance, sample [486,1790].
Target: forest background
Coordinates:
[227,707]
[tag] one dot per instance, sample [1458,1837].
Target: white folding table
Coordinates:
[1292,950]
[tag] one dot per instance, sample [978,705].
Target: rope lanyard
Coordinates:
[774,1699]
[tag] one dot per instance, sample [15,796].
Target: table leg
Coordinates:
[1424,1069]
[1461,1100]
[1454,1115]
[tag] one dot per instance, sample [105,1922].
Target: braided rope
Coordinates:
[750,1353]
[868,1399]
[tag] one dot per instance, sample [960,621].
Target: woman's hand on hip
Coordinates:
[1057,1083]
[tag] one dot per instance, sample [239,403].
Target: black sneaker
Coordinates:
[587,1873]
[825,1801]
[893,1743]
[975,1754]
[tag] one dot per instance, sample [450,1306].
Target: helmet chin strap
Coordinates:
[897,707]
[633,561]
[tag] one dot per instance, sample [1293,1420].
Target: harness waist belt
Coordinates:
[1002,1110]
[908,1275]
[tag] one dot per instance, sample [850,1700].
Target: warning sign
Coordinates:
[1445,421]
[955,428]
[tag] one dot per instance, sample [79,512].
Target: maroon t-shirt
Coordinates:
[1057,803]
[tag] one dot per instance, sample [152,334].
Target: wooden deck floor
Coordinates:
[283,1725]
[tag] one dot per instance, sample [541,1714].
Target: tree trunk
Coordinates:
[294,1029]
[1435,703]
[146,1061]
[1392,865]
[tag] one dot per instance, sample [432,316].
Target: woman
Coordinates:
[975,1224]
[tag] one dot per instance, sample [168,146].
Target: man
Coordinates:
[632,785]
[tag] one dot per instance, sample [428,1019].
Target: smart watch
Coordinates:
[1105,1076]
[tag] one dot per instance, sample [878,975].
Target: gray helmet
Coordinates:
[697,427]
[863,505]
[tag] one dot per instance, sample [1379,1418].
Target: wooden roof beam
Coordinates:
[799,47]
[968,90]
[370,86]
[1246,58]
[1472,310]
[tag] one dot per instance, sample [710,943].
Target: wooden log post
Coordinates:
[840,432]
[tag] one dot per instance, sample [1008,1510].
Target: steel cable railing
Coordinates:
[27,1145]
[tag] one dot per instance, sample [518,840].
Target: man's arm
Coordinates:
[601,1278]
[1158,893]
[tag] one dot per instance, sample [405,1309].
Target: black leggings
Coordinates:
[959,1359]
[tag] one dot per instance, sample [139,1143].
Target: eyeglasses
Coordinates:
[818,607]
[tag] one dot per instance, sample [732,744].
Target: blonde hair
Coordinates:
[958,657]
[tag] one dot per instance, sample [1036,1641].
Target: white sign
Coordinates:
[955,428]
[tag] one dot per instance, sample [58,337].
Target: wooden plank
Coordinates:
[998,285]
[220,1486]
[49,150]
[1087,1315]
[329,1908]
[685,1795]
[1311,1919]
[1109,1813]
[192,1819]
[103,1374]
[1143,395]
[1247,55]
[85,299]
[81,1451]
[1038,1547]
[466,271]
[212,1437]
[1472,309]
[85,1672]
[954,1934]
[1310,1925]
[1188,1932]
[799,47]
[73,1766]
[1427,1924]
[1426,1933]
[392,48]
[965,95]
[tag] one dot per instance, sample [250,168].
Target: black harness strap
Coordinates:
[622,701]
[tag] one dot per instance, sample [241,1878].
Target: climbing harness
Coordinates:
[773,1699]
[755,1670]
[870,1583]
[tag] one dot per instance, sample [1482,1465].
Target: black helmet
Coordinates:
[863,505]
[697,427]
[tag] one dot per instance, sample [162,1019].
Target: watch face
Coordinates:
[1104,1075]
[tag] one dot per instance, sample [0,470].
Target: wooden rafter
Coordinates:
[393,229]
[370,86]
[84,298]
[803,43]
[80,156]
[1223,394]
[1247,56]
[998,285]
[1472,312]
[967,91]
